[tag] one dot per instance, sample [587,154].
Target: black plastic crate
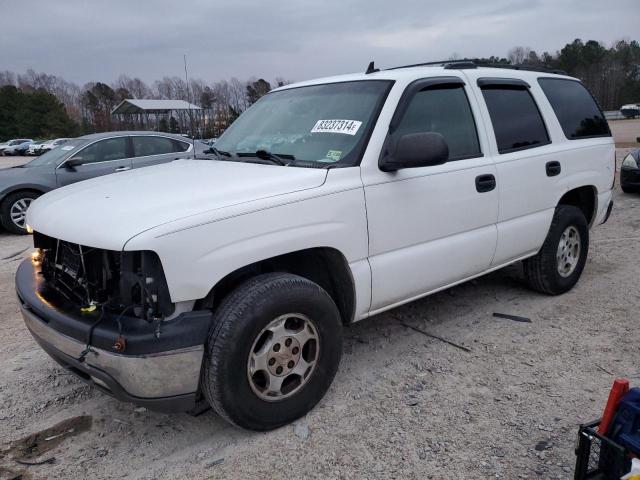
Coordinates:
[598,457]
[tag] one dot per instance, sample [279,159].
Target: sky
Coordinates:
[89,40]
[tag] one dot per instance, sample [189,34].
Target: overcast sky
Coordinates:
[84,40]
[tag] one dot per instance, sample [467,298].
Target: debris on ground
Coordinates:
[34,445]
[436,337]
[515,318]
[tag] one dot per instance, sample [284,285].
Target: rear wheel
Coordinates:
[272,352]
[559,263]
[13,211]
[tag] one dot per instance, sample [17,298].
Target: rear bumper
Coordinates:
[165,380]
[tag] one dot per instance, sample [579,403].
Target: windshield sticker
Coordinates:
[334,155]
[348,127]
[68,147]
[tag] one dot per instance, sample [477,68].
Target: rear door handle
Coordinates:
[553,168]
[485,183]
[122,169]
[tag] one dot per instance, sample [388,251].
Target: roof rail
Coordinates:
[475,63]
[523,66]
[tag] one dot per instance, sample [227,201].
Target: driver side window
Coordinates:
[443,109]
[105,150]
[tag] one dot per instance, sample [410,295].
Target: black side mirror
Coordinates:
[72,163]
[416,150]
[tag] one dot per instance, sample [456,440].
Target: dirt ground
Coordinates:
[403,405]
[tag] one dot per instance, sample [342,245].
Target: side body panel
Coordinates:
[429,226]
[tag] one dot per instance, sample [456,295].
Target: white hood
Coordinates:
[107,211]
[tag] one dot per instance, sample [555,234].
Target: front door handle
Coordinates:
[485,183]
[553,168]
[122,169]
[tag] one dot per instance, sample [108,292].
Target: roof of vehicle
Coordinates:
[95,136]
[139,105]
[412,72]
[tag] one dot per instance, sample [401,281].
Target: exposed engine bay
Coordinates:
[131,283]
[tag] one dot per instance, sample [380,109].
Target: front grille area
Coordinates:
[114,281]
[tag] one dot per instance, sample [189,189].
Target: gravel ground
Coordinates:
[403,405]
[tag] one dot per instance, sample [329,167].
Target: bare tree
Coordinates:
[518,55]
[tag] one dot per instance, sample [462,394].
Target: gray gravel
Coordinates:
[403,405]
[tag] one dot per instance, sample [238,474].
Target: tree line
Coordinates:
[40,105]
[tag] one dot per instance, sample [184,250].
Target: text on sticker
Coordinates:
[349,127]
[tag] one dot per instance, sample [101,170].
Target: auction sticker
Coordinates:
[348,127]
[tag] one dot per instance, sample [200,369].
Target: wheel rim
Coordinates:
[283,357]
[568,252]
[18,211]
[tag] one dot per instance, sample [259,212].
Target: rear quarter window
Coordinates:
[577,111]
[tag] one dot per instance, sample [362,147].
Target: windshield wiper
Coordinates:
[219,153]
[272,157]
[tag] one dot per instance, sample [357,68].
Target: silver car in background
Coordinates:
[80,159]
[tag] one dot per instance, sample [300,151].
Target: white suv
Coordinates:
[328,201]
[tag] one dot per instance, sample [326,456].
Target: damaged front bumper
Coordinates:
[159,368]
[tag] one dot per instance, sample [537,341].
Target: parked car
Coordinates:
[16,147]
[51,144]
[630,172]
[630,111]
[79,159]
[35,147]
[325,203]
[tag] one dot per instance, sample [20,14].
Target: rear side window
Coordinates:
[444,110]
[577,111]
[179,146]
[151,145]
[516,120]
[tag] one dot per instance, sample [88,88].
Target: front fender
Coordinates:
[195,259]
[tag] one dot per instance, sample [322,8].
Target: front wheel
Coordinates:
[273,349]
[13,211]
[559,263]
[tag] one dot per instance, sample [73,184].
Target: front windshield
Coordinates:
[321,123]
[53,157]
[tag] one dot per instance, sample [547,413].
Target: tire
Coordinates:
[239,329]
[9,207]
[546,273]
[628,189]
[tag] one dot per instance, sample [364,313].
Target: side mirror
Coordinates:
[72,163]
[416,150]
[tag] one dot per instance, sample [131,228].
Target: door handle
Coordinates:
[122,169]
[485,183]
[553,168]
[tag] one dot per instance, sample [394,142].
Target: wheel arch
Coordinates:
[23,188]
[326,266]
[585,198]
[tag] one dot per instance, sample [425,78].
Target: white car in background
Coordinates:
[16,147]
[34,148]
[8,147]
[51,144]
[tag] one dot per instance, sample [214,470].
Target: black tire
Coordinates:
[628,189]
[237,323]
[5,210]
[541,271]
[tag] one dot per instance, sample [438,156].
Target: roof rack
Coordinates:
[468,63]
